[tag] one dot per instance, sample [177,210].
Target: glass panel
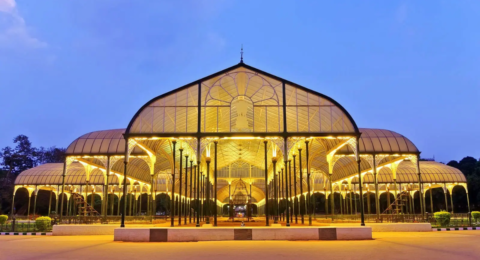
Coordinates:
[260,119]
[292,123]
[79,146]
[211,119]
[224,120]
[192,117]
[169,119]
[87,147]
[168,114]
[181,120]
[274,119]
[326,119]
[158,119]
[302,117]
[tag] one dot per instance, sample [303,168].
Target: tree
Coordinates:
[470,167]
[467,165]
[24,156]
[19,159]
[50,155]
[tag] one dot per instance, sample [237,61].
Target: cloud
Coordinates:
[14,32]
[7,5]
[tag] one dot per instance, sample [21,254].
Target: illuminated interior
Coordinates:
[254,118]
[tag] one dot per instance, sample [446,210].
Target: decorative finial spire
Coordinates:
[241,54]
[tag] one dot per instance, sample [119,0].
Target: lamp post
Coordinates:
[308,186]
[191,184]
[186,190]
[287,173]
[198,194]
[172,198]
[179,203]
[215,185]
[281,198]
[290,189]
[202,184]
[274,161]
[295,203]
[265,142]
[362,209]
[207,182]
[301,182]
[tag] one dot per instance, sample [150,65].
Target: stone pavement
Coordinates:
[386,245]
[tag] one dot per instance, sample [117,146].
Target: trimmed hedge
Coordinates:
[3,219]
[476,215]
[43,223]
[442,218]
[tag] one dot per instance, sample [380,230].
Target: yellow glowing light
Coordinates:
[242,137]
[208,151]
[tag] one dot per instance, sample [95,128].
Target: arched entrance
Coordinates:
[240,202]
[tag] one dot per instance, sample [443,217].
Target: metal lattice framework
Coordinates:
[254,118]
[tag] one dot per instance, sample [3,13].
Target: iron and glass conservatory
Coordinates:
[282,144]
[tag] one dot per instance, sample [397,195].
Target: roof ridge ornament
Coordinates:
[241,54]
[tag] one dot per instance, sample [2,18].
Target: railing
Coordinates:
[110,219]
[373,218]
[456,220]
[24,226]
[369,218]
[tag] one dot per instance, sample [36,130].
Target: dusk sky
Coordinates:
[72,67]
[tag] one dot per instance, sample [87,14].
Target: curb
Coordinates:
[25,234]
[456,229]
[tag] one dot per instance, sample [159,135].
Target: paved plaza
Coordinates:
[427,245]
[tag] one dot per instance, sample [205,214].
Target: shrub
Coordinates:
[3,219]
[476,215]
[442,218]
[43,223]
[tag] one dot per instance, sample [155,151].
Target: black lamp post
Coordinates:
[295,203]
[309,203]
[267,215]
[172,198]
[301,182]
[274,161]
[207,181]
[198,195]
[179,204]
[215,185]
[186,190]
[191,196]
[286,192]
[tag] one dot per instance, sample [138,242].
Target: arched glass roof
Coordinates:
[432,172]
[382,141]
[51,174]
[241,99]
[105,142]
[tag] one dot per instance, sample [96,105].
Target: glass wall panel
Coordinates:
[246,102]
[169,114]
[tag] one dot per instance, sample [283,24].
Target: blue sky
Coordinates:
[71,67]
